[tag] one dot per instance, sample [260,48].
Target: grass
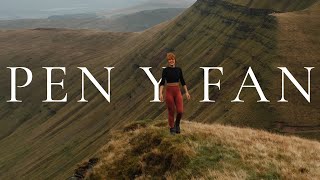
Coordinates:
[205,151]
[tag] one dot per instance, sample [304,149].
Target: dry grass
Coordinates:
[206,152]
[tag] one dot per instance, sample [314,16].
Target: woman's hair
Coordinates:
[171,55]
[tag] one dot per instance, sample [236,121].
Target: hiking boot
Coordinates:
[172,131]
[177,127]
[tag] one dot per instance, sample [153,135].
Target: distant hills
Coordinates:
[36,9]
[137,21]
[133,18]
[148,5]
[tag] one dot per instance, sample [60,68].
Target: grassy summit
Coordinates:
[145,149]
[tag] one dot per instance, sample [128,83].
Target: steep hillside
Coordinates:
[122,23]
[216,33]
[36,137]
[298,47]
[145,149]
[283,5]
[40,140]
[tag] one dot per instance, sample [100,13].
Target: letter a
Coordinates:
[256,85]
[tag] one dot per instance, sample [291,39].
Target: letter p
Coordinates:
[14,81]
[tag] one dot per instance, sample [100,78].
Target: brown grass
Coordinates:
[244,153]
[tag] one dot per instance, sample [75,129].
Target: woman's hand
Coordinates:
[161,93]
[161,97]
[188,96]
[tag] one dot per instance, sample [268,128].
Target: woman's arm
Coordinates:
[162,84]
[161,94]
[183,83]
[187,92]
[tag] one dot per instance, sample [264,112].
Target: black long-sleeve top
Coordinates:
[172,75]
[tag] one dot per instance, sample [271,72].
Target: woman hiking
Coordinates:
[173,75]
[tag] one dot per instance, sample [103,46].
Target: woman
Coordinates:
[172,75]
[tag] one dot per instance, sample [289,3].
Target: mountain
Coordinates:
[147,5]
[144,149]
[42,140]
[137,21]
[142,20]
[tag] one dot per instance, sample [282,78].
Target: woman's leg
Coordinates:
[170,105]
[179,105]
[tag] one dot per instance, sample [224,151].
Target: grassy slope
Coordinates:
[46,140]
[297,48]
[41,140]
[283,5]
[36,137]
[218,34]
[146,149]
[138,21]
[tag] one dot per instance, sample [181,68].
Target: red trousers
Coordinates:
[174,100]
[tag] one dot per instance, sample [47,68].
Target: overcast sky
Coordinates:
[43,8]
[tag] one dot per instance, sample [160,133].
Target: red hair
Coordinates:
[171,55]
